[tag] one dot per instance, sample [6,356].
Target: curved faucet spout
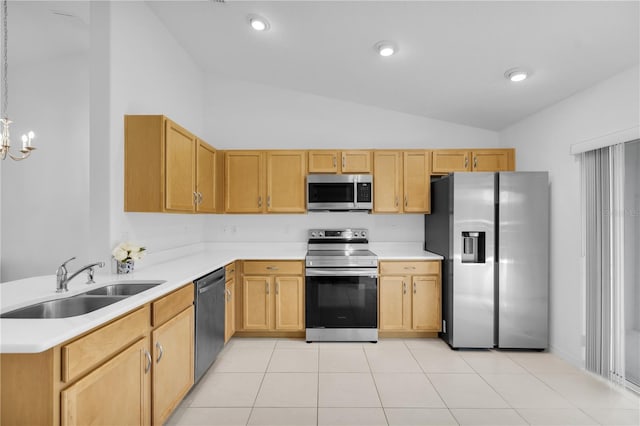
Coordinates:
[62,277]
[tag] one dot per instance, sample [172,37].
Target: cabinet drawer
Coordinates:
[230,271]
[261,267]
[85,353]
[171,305]
[410,268]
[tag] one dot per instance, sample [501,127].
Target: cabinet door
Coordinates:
[230,309]
[450,160]
[206,178]
[492,160]
[172,363]
[387,182]
[417,182]
[289,303]
[180,158]
[394,302]
[286,172]
[117,393]
[356,162]
[244,192]
[323,162]
[426,303]
[256,303]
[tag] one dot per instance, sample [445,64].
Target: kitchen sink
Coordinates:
[63,308]
[124,288]
[83,303]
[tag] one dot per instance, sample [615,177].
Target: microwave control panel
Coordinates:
[364,192]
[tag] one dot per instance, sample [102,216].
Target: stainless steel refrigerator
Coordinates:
[493,231]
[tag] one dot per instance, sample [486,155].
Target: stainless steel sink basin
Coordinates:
[124,288]
[63,308]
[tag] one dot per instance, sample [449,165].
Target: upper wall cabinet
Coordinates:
[167,168]
[340,161]
[401,181]
[481,160]
[265,181]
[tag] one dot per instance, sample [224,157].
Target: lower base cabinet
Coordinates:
[116,393]
[410,298]
[173,364]
[135,370]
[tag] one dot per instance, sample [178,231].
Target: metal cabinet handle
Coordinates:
[277,287]
[396,201]
[267,285]
[335,162]
[466,161]
[406,201]
[149,361]
[199,197]
[195,198]
[161,350]
[272,268]
[344,160]
[404,287]
[475,161]
[268,200]
[410,267]
[414,288]
[259,200]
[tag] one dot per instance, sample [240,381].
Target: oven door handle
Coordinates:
[342,272]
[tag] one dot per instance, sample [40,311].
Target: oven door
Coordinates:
[341,298]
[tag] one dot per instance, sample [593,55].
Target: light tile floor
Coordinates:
[397,382]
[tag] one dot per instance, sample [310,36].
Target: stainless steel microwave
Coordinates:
[339,192]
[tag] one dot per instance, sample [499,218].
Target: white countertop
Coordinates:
[37,335]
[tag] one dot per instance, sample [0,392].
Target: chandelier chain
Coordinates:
[5,62]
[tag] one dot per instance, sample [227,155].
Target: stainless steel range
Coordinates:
[341,286]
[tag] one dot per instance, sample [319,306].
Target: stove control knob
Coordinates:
[320,234]
[363,234]
[356,234]
[313,235]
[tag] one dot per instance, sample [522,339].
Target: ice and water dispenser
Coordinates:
[473,244]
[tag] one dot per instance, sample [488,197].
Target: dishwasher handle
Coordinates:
[205,289]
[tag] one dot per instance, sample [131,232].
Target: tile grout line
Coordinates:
[264,375]
[375,384]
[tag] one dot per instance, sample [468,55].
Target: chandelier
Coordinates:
[6,141]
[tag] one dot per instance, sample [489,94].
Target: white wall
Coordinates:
[245,115]
[150,74]
[542,142]
[45,199]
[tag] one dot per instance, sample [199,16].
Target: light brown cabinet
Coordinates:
[167,168]
[481,160]
[327,161]
[401,181]
[116,393]
[230,301]
[273,296]
[265,181]
[409,297]
[173,366]
[143,360]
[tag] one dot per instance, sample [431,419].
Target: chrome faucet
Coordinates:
[62,278]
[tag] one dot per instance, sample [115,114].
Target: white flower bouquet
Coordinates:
[125,254]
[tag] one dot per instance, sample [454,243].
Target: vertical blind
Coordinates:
[603,189]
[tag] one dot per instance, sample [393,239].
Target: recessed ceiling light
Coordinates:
[516,74]
[386,48]
[258,23]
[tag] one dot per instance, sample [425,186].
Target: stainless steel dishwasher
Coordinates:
[209,305]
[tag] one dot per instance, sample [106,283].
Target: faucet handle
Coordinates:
[64,264]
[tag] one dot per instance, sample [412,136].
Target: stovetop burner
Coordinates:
[339,248]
